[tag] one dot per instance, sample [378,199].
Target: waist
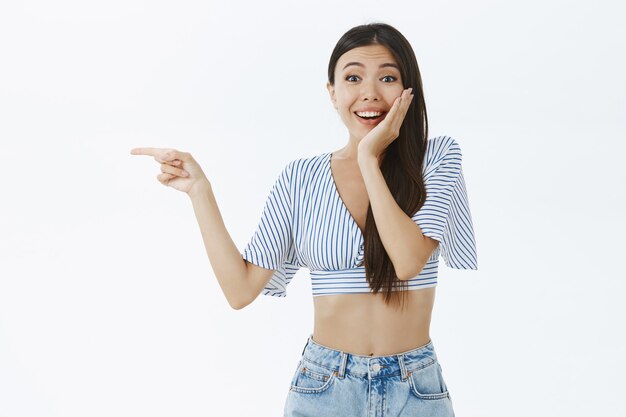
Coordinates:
[369,366]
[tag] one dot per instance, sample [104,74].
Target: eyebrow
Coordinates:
[385,65]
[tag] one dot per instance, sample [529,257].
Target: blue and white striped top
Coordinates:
[306,224]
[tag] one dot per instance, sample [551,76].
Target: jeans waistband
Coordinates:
[368,366]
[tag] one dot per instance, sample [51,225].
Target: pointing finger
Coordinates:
[159,154]
[146,151]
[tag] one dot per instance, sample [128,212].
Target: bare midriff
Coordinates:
[363,324]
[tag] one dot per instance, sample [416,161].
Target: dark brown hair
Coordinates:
[403,158]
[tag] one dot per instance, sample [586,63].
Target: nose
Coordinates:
[369,91]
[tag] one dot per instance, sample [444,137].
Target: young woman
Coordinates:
[369,221]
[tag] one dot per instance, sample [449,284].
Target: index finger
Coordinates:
[146,151]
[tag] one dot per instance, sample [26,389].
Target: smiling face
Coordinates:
[367,78]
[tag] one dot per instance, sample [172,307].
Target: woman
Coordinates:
[369,220]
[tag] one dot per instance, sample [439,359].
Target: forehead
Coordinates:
[370,56]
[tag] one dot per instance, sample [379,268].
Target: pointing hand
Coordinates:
[178,169]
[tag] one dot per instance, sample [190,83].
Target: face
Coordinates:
[364,81]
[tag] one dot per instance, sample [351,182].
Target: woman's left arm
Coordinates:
[407,247]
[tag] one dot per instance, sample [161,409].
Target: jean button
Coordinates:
[376,367]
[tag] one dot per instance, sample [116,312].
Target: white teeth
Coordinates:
[369,113]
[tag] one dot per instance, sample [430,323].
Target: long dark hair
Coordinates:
[403,158]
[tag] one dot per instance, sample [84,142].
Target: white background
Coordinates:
[108,304]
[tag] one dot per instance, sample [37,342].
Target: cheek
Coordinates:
[346,115]
[345,106]
[345,97]
[392,96]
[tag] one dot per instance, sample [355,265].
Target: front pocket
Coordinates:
[312,378]
[427,382]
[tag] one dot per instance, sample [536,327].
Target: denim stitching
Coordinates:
[421,365]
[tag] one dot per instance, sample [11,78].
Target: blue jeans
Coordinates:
[329,382]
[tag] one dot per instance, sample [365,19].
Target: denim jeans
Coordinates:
[329,382]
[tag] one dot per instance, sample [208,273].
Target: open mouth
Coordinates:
[370,115]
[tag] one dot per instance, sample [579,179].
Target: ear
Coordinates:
[331,92]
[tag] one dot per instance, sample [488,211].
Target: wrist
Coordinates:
[199,190]
[365,159]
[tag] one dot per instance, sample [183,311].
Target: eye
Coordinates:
[386,76]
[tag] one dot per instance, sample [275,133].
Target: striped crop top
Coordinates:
[305,223]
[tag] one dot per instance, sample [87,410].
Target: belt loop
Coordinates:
[403,370]
[342,368]
[305,345]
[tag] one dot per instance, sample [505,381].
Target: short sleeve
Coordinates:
[445,215]
[271,245]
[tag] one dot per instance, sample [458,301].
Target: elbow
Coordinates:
[405,277]
[235,306]
[411,272]
[238,304]
[413,267]
[238,295]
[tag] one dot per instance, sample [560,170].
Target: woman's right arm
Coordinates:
[240,281]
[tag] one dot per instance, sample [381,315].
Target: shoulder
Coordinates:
[296,170]
[441,145]
[440,148]
[306,164]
